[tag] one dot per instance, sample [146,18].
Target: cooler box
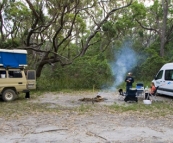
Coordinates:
[13,58]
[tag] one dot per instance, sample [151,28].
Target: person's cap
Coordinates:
[129,73]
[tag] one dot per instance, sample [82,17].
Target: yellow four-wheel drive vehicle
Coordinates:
[14,81]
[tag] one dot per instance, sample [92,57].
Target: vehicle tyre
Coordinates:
[8,95]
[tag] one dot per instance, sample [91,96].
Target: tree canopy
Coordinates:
[57,32]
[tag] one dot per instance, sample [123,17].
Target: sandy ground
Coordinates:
[98,126]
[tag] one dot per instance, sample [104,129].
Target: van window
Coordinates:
[168,74]
[159,75]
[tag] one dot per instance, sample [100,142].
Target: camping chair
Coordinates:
[153,96]
[131,96]
[139,85]
[140,89]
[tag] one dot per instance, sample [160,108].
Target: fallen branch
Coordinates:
[93,134]
[53,130]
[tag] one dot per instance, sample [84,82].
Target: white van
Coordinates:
[164,79]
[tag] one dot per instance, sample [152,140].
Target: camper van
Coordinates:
[164,79]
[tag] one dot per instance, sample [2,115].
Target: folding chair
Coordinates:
[153,96]
[139,85]
[140,89]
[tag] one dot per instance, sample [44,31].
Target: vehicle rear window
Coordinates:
[169,74]
[31,75]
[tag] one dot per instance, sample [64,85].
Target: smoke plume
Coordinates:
[126,60]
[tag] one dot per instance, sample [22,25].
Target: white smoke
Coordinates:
[126,60]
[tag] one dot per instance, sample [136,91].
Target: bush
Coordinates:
[85,73]
[149,68]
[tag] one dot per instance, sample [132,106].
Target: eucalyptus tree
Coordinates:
[14,18]
[49,29]
[159,21]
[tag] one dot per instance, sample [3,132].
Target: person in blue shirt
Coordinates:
[129,82]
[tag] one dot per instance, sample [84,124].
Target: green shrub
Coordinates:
[85,73]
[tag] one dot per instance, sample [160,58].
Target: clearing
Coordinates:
[61,118]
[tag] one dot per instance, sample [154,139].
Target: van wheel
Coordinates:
[8,95]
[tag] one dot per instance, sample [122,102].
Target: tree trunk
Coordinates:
[39,69]
[163,28]
[1,25]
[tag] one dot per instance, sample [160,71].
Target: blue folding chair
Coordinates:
[140,89]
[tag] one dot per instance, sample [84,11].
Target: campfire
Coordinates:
[98,98]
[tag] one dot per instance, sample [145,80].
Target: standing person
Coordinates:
[129,81]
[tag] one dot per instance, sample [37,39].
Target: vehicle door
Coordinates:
[159,80]
[16,79]
[3,79]
[167,87]
[31,79]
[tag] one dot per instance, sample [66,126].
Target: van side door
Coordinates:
[168,85]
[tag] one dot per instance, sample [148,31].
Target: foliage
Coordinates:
[109,29]
[152,64]
[69,30]
[138,10]
[57,22]
[10,43]
[86,72]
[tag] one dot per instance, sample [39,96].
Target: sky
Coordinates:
[147,2]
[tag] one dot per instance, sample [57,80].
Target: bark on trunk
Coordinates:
[163,29]
[39,69]
[1,25]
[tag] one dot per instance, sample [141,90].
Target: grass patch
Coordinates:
[159,108]
[36,93]
[84,108]
[22,107]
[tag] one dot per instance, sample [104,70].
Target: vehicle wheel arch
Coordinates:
[9,94]
[12,88]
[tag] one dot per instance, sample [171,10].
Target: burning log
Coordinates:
[98,98]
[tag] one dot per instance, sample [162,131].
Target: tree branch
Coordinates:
[32,8]
[146,28]
[59,29]
[99,26]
